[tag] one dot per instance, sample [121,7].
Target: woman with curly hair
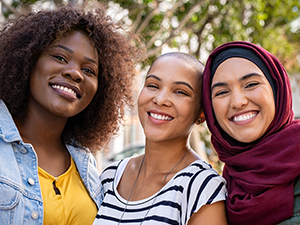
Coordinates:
[65,78]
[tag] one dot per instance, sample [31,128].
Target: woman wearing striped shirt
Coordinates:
[169,184]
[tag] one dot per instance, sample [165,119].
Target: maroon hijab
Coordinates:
[260,175]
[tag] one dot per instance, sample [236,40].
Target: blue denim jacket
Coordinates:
[20,193]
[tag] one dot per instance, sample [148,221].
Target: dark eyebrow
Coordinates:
[184,83]
[219,84]
[90,60]
[250,75]
[241,79]
[153,76]
[71,51]
[63,47]
[176,82]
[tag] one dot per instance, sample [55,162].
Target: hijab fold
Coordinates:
[260,175]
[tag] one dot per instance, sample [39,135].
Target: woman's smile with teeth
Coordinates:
[64,89]
[160,117]
[244,117]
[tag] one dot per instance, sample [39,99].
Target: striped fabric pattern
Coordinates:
[188,190]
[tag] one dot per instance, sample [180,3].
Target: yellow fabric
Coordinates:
[73,206]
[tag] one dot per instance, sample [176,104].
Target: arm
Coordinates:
[213,214]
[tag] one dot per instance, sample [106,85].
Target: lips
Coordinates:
[244,117]
[68,89]
[160,116]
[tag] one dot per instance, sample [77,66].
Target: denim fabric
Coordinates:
[20,194]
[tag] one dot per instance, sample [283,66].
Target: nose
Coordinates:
[238,100]
[72,71]
[162,99]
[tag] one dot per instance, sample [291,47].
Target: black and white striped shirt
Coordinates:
[188,190]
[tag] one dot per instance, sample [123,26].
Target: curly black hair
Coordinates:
[24,39]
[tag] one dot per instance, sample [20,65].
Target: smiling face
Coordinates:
[65,77]
[169,102]
[242,99]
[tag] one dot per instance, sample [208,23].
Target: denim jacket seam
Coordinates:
[20,189]
[25,195]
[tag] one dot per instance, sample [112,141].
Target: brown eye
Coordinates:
[221,93]
[251,85]
[88,71]
[60,58]
[181,92]
[151,86]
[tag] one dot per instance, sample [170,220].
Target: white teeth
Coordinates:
[160,117]
[64,89]
[244,117]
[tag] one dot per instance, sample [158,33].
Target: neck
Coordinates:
[161,157]
[45,137]
[40,130]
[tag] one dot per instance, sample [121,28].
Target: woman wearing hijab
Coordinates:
[247,103]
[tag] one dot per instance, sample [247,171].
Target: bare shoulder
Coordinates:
[134,164]
[213,214]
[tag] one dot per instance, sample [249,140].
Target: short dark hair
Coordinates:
[189,59]
[24,39]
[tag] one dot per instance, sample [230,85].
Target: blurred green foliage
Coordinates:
[198,26]
[202,25]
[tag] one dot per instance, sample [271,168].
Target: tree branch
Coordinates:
[154,38]
[200,31]
[137,20]
[147,20]
[176,31]
[167,15]
[10,8]
[131,8]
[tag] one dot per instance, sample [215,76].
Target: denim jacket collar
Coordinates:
[85,162]
[89,174]
[8,130]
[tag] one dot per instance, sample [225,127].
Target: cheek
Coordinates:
[218,108]
[35,84]
[140,103]
[265,100]
[95,88]
[143,98]
[92,87]
[189,109]
[270,112]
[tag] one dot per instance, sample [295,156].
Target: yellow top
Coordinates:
[66,199]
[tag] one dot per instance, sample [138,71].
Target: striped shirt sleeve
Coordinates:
[205,187]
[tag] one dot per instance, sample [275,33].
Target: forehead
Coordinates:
[234,68]
[171,66]
[77,40]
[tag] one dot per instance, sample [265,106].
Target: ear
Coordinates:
[200,119]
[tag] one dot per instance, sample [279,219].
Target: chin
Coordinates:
[155,138]
[246,139]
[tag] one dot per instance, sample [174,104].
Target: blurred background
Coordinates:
[195,27]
